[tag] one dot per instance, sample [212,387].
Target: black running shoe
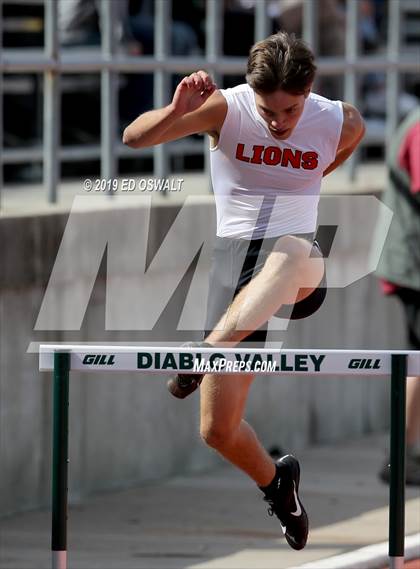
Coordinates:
[184,384]
[285,503]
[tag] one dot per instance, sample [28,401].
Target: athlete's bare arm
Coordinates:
[352,133]
[197,106]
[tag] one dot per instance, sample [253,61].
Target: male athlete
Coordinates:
[271,142]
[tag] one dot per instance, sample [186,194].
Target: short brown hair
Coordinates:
[281,62]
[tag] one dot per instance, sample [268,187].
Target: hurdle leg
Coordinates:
[60,460]
[397,452]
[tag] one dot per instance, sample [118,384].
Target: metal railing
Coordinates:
[53,62]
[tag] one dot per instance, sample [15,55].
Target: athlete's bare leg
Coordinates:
[223,399]
[287,270]
[288,276]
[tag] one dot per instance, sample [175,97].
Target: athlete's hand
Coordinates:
[192,92]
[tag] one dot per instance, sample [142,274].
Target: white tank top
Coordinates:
[266,187]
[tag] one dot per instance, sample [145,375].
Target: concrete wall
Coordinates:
[127,429]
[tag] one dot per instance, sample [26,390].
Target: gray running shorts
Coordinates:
[234,263]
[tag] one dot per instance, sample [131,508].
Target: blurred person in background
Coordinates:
[138,95]
[270,138]
[331,33]
[331,38]
[287,15]
[79,25]
[373,20]
[79,28]
[79,22]
[399,266]
[240,14]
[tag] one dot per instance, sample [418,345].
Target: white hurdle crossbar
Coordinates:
[62,359]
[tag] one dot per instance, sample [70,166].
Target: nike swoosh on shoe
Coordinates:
[298,511]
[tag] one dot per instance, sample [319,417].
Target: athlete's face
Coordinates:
[281,111]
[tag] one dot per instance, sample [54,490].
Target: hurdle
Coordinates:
[62,359]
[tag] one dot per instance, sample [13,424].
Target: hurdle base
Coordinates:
[59,560]
[396,562]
